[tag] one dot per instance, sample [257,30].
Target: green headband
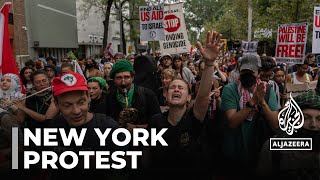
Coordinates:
[100,80]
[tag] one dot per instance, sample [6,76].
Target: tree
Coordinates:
[103,6]
[198,13]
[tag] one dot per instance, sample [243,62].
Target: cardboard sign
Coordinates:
[151,23]
[176,37]
[316,31]
[220,58]
[225,41]
[298,89]
[249,47]
[291,43]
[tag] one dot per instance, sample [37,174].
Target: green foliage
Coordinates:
[230,17]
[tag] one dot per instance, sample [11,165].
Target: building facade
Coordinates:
[90,31]
[51,28]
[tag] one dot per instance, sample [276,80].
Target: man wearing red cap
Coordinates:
[72,99]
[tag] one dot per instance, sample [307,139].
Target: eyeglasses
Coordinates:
[119,78]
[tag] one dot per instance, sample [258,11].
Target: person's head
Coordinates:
[81,61]
[179,94]
[40,80]
[122,74]
[130,58]
[184,57]
[118,56]
[279,75]
[166,60]
[177,62]
[30,64]
[190,65]
[201,67]
[67,67]
[90,63]
[51,60]
[96,85]
[249,70]
[107,68]
[167,77]
[303,68]
[25,74]
[39,64]
[311,59]
[51,70]
[266,70]
[10,82]
[71,98]
[309,103]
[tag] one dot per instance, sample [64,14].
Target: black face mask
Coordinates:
[89,66]
[247,80]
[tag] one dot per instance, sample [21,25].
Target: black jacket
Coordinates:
[144,100]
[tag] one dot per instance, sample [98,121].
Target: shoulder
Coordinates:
[103,120]
[186,69]
[143,90]
[229,87]
[158,120]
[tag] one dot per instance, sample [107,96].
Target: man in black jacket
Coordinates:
[130,105]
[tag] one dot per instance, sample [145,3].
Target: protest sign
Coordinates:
[220,58]
[291,43]
[151,23]
[249,47]
[225,41]
[176,37]
[297,89]
[316,31]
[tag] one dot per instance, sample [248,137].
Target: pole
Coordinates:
[121,30]
[154,49]
[249,20]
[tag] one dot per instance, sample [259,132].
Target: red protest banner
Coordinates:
[291,43]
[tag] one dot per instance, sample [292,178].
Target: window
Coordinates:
[10,18]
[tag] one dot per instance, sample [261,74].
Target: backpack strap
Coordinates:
[266,96]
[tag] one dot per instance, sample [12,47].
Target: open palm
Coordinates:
[213,45]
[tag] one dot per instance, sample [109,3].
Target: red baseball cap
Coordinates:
[68,82]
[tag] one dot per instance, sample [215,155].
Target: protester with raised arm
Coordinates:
[183,123]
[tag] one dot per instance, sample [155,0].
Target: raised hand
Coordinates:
[211,50]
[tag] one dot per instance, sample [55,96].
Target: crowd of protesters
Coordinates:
[220,116]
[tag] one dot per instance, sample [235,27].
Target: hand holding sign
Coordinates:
[213,45]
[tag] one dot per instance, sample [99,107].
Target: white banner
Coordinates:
[176,37]
[291,43]
[316,31]
[151,23]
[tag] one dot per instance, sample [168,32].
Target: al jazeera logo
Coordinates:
[290,120]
